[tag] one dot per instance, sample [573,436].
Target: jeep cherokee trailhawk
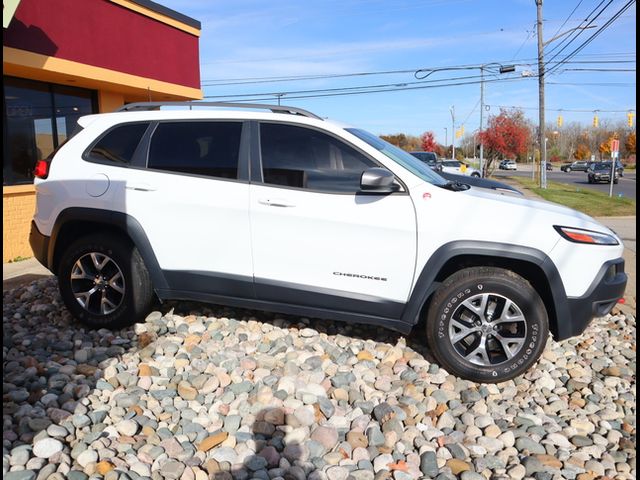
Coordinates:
[273,208]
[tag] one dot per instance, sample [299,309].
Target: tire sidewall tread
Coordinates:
[467,283]
[138,290]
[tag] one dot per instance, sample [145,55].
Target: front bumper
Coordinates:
[602,296]
[39,244]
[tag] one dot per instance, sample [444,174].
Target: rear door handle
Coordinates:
[275,202]
[140,187]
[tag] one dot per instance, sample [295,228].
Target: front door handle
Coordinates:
[275,202]
[140,187]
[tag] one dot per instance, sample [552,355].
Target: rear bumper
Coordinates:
[39,244]
[602,296]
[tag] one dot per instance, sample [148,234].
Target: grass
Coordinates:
[594,203]
[19,259]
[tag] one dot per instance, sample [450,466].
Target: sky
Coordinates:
[340,46]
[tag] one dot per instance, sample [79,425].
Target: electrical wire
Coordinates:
[607,24]
[579,30]
[568,18]
[276,79]
[267,96]
[575,110]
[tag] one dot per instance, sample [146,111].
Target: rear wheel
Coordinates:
[104,282]
[487,324]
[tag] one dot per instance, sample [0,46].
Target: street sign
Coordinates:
[615,145]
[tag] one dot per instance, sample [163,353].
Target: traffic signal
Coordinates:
[595,121]
[630,119]
[559,121]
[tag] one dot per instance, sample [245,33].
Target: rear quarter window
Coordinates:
[118,144]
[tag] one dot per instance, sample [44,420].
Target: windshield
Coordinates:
[602,166]
[405,159]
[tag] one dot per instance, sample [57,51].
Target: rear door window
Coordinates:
[198,148]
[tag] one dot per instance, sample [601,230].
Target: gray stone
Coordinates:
[20,475]
[524,444]
[429,464]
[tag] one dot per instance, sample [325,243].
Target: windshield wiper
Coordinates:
[456,186]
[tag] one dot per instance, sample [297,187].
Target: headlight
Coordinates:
[578,235]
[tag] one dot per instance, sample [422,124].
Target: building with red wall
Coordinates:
[66,58]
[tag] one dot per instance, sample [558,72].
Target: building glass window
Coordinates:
[38,117]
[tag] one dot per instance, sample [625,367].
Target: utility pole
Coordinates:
[453,130]
[541,126]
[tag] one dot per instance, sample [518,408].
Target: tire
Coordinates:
[475,174]
[590,179]
[568,170]
[615,181]
[122,292]
[456,309]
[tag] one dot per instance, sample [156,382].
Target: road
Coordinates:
[626,186]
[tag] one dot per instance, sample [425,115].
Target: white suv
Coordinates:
[274,208]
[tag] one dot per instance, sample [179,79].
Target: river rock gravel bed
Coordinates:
[200,391]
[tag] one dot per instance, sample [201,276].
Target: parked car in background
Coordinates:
[430,158]
[508,165]
[601,172]
[620,168]
[459,168]
[577,166]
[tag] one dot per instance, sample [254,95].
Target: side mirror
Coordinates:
[379,180]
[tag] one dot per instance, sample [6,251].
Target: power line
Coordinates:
[575,110]
[592,37]
[358,87]
[595,84]
[579,30]
[276,79]
[568,18]
[598,70]
[529,35]
[267,96]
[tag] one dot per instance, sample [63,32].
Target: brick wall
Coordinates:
[18,206]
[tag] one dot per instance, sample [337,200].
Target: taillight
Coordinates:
[42,169]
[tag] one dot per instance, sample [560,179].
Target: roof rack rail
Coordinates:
[143,106]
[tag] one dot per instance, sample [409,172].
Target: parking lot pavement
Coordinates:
[625,227]
[25,271]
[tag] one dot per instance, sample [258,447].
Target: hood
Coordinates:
[558,214]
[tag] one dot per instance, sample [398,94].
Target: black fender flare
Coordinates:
[427,282]
[117,220]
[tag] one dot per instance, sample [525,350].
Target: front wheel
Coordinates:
[475,174]
[568,169]
[487,324]
[104,282]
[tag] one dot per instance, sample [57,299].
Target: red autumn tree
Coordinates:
[428,142]
[507,136]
